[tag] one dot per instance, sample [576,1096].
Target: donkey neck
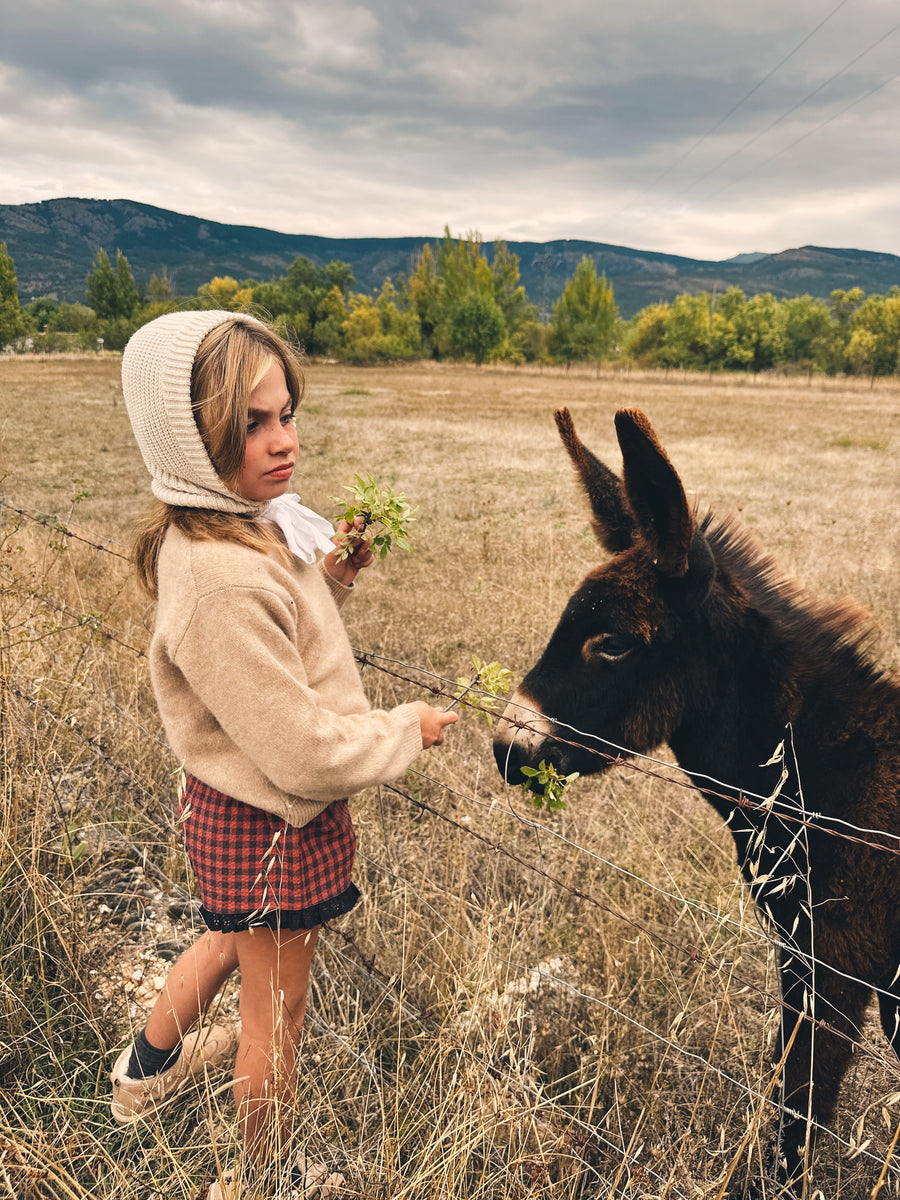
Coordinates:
[734,719]
[779,669]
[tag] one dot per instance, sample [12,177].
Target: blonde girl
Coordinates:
[263,706]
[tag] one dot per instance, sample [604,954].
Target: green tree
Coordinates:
[129,296]
[328,325]
[687,337]
[74,318]
[308,302]
[426,292]
[116,332]
[112,294]
[725,349]
[645,336]
[441,287]
[272,298]
[532,339]
[476,326]
[160,287]
[12,322]
[302,273]
[862,352]
[385,329]
[584,317]
[462,268]
[508,292]
[42,311]
[338,275]
[726,342]
[876,325]
[808,332]
[844,304]
[100,288]
[443,283]
[759,324]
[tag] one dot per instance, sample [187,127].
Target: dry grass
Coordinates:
[437,1063]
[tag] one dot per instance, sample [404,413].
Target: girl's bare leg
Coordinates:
[191,985]
[274,979]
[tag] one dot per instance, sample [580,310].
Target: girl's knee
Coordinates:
[270,1014]
[274,979]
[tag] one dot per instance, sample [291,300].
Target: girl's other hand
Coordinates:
[432,722]
[345,570]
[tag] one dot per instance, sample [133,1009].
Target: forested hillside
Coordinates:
[463,300]
[54,244]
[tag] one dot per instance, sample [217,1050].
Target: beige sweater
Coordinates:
[257,686]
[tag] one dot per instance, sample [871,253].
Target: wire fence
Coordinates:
[723,970]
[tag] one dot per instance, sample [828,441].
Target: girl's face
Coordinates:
[272,446]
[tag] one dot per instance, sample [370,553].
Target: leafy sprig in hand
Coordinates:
[489,677]
[386,518]
[546,787]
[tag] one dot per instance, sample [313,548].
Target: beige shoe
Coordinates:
[309,1181]
[314,1181]
[133,1099]
[229,1187]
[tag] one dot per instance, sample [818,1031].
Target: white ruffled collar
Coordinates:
[304,530]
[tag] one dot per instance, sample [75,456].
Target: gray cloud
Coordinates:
[580,119]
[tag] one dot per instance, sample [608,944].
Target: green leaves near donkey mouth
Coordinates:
[546,786]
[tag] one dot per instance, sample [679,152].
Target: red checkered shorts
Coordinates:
[254,868]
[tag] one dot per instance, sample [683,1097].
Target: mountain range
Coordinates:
[54,244]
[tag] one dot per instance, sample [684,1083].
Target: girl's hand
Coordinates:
[432,722]
[345,570]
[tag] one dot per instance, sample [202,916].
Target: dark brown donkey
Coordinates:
[688,636]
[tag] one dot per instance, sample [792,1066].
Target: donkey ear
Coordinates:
[655,493]
[611,521]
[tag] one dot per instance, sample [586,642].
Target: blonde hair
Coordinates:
[230,362]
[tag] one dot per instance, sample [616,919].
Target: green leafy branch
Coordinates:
[546,787]
[489,677]
[386,516]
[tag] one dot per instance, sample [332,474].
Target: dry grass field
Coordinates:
[523,1005]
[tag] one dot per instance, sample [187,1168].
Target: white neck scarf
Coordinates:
[304,530]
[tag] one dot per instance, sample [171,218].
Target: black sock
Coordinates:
[148,1060]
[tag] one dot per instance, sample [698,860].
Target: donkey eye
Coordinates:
[610,646]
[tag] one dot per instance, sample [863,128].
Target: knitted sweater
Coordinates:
[256,682]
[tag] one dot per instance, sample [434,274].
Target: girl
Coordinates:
[262,703]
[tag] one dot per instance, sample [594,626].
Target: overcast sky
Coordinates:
[699,128]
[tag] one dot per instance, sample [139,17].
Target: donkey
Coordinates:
[689,636]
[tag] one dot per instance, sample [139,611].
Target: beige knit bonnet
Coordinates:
[156,383]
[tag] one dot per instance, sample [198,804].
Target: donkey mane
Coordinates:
[831,635]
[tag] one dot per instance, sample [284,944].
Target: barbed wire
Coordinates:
[126,776]
[86,620]
[396,986]
[440,686]
[617,755]
[753,1093]
[65,528]
[707,964]
[394,989]
[647,765]
[622,756]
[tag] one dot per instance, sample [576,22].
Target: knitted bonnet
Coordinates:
[156,383]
